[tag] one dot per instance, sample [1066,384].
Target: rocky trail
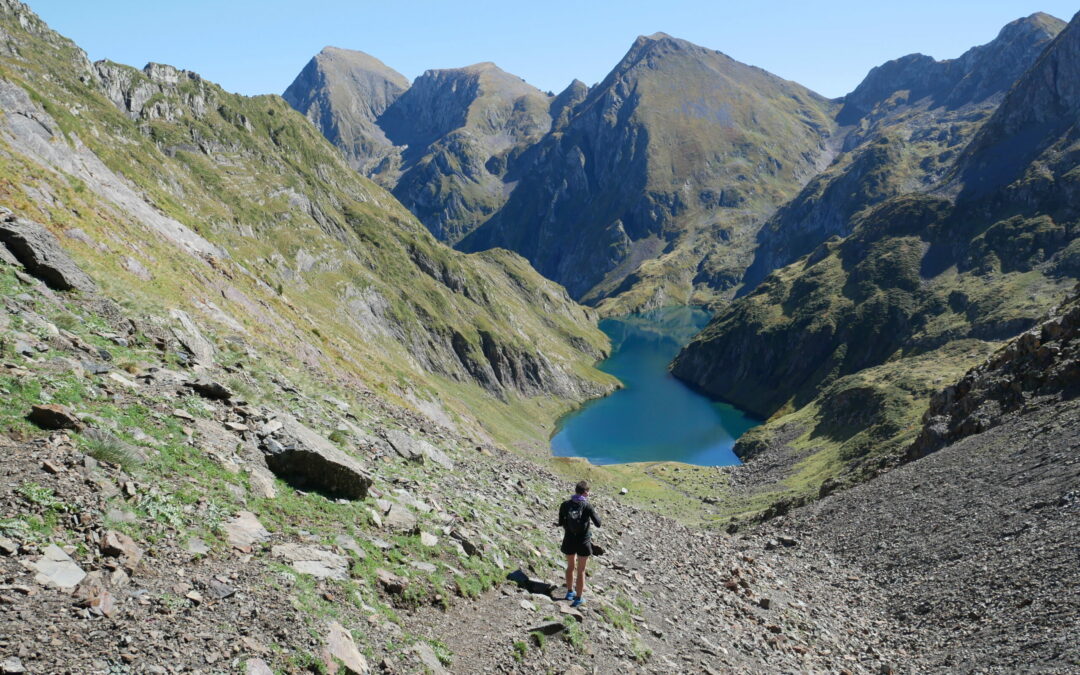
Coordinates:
[155,520]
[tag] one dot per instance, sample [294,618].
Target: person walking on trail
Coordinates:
[576,515]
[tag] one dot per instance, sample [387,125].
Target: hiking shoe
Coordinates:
[577,602]
[570,595]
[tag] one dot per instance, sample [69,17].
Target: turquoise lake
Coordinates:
[654,417]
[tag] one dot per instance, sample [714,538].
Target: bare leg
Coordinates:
[570,572]
[581,562]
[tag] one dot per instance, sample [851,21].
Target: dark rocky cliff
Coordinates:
[658,181]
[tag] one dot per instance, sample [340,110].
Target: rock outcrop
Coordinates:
[848,342]
[442,145]
[40,253]
[665,163]
[305,459]
[904,128]
[343,92]
[1042,363]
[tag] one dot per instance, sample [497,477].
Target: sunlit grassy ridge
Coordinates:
[316,265]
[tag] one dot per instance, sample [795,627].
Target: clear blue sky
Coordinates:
[258,46]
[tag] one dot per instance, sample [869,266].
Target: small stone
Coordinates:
[428,657]
[12,666]
[525,604]
[194,596]
[236,426]
[52,417]
[257,667]
[787,540]
[391,583]
[183,414]
[119,545]
[245,530]
[117,516]
[196,547]
[623,491]
[429,540]
[52,467]
[423,566]
[773,628]
[210,389]
[219,590]
[571,611]
[102,604]
[8,546]
[340,649]
[765,603]
[56,568]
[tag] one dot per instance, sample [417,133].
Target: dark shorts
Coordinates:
[576,546]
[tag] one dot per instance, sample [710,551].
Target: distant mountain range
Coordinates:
[683,177]
[951,225]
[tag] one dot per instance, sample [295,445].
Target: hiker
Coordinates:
[575,516]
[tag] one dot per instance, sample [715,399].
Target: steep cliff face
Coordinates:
[442,145]
[659,178]
[174,194]
[458,129]
[923,286]
[906,125]
[1033,130]
[343,93]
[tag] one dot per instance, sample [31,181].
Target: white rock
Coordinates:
[56,568]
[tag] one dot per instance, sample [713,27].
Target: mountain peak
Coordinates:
[983,72]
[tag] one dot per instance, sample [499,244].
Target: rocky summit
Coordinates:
[259,417]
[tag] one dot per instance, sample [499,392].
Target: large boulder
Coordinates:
[305,459]
[52,416]
[40,253]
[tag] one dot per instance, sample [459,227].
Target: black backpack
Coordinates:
[576,522]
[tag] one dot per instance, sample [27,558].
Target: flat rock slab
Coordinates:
[348,543]
[312,560]
[191,338]
[340,652]
[416,449]
[195,547]
[571,611]
[303,456]
[245,531]
[399,517]
[56,568]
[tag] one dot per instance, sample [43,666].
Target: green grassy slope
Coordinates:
[842,348]
[286,246]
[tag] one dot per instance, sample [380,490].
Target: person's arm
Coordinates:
[592,514]
[562,514]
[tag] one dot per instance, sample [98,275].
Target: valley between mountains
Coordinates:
[279,373]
